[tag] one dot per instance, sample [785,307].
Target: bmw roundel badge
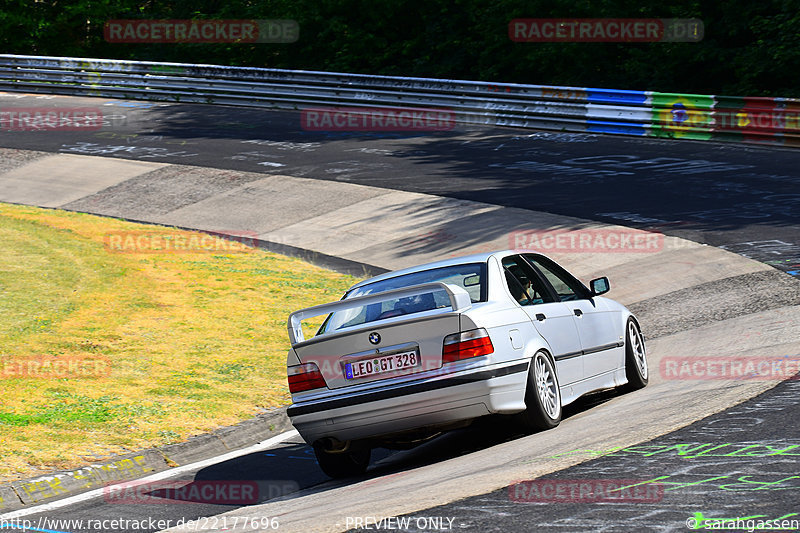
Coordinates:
[374,337]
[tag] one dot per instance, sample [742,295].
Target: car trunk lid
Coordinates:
[399,344]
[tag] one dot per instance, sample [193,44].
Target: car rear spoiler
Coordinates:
[459,301]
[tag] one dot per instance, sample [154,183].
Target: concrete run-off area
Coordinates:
[693,300]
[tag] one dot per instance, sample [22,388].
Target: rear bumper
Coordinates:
[429,402]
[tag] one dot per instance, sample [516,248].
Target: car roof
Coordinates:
[474,258]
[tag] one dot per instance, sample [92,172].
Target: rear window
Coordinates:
[470,277]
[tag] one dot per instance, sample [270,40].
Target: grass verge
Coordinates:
[164,345]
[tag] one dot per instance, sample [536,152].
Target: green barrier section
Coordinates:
[681,116]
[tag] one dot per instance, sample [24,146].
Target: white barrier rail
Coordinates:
[575,109]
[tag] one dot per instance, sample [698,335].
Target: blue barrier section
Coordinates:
[612,96]
[624,128]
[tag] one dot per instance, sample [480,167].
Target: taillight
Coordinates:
[465,345]
[305,377]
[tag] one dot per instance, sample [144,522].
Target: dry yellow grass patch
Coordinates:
[191,341]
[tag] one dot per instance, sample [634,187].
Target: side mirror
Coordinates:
[599,286]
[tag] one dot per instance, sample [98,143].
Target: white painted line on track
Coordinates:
[155,477]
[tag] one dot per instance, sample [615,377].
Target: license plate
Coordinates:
[381,364]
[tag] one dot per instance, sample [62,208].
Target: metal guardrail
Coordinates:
[574,109]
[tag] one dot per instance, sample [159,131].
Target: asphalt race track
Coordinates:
[740,197]
[740,463]
[694,474]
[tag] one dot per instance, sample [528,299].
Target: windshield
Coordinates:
[470,277]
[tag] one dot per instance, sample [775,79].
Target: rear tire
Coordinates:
[343,464]
[635,357]
[542,396]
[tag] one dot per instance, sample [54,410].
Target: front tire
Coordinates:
[542,396]
[343,464]
[635,357]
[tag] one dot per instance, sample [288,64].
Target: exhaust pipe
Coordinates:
[331,445]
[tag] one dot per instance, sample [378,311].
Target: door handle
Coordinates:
[540,317]
[578,312]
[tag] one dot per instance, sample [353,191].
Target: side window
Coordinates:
[524,285]
[567,287]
